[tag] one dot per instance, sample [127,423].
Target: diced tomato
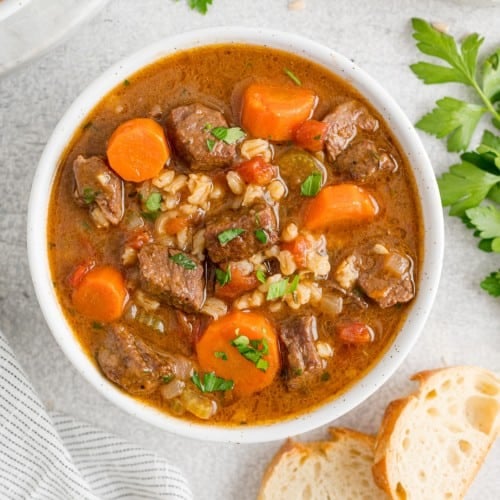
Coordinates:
[138,239]
[176,224]
[355,333]
[238,284]
[311,135]
[299,247]
[76,277]
[256,171]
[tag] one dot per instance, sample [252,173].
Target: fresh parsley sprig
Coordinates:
[452,117]
[472,190]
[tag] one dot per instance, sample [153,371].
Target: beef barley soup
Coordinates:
[234,235]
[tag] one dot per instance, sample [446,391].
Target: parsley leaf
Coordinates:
[253,350]
[261,235]
[465,186]
[312,185]
[261,275]
[486,219]
[228,235]
[183,260]
[281,288]
[210,144]
[89,195]
[220,355]
[211,382]
[223,277]
[228,135]
[491,76]
[452,117]
[292,77]
[200,5]
[492,284]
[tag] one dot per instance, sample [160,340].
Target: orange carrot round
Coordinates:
[273,112]
[217,353]
[137,149]
[340,204]
[101,294]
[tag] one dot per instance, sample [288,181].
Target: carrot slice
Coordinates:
[217,353]
[137,149]
[273,112]
[340,204]
[101,294]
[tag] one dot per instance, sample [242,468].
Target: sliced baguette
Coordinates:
[432,443]
[338,469]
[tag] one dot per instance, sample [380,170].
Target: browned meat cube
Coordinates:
[387,278]
[245,222]
[97,184]
[298,334]
[362,160]
[130,363]
[189,127]
[176,278]
[344,122]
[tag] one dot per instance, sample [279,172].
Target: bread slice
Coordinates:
[338,469]
[432,443]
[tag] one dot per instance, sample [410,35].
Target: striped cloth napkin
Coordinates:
[55,457]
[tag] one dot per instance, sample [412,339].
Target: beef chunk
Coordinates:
[344,122]
[170,281]
[97,184]
[386,276]
[298,334]
[189,127]
[129,362]
[363,160]
[245,244]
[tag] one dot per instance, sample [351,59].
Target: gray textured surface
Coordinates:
[464,326]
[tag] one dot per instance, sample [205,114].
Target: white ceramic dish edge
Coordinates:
[403,130]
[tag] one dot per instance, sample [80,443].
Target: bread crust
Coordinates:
[400,413]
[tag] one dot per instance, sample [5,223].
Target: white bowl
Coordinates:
[411,145]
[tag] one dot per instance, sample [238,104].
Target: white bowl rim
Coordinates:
[401,128]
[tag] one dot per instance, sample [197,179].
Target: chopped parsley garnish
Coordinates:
[167,378]
[211,382]
[325,377]
[261,275]
[210,144]
[253,350]
[292,77]
[97,326]
[317,137]
[153,203]
[87,126]
[183,260]
[88,195]
[261,235]
[223,277]
[220,355]
[229,135]
[312,184]
[281,288]
[229,235]
[126,82]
